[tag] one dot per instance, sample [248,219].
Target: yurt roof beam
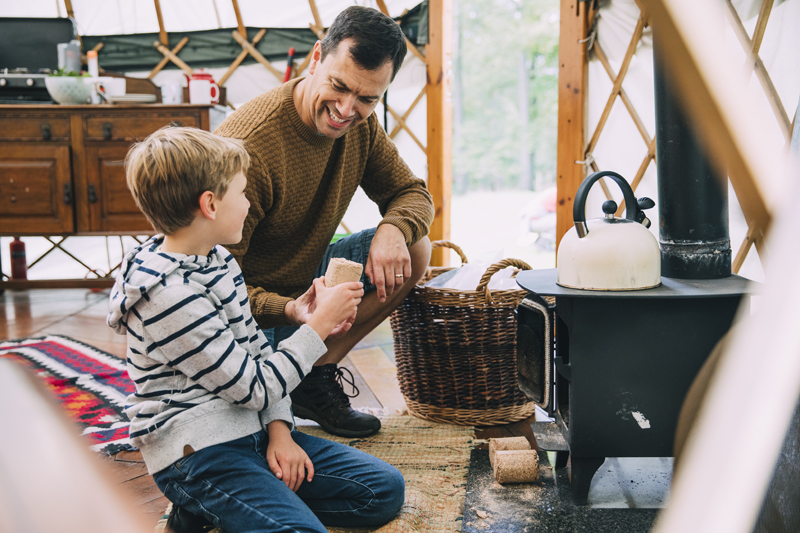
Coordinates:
[162,33]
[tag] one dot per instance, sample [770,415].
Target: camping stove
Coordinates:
[19,86]
[613,367]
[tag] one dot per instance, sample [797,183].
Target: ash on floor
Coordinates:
[547,504]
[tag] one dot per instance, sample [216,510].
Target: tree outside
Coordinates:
[505,94]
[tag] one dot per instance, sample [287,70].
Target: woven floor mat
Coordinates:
[433,458]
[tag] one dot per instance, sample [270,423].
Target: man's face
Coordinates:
[340,93]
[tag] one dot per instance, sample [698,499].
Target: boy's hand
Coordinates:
[288,461]
[335,307]
[343,327]
[297,312]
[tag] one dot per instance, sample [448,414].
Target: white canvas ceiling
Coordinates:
[115,17]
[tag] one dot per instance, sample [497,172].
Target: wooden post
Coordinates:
[571,110]
[440,121]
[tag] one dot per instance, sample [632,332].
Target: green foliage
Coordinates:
[488,134]
[71,73]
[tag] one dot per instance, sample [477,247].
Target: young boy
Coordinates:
[211,413]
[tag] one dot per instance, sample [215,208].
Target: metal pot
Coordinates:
[609,253]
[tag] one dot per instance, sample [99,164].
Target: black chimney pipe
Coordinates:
[692,203]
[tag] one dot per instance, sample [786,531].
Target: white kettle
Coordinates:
[609,253]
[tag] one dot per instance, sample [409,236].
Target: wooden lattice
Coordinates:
[753,63]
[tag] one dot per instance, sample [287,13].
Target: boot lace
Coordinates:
[339,377]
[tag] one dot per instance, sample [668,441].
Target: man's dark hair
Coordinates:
[376,38]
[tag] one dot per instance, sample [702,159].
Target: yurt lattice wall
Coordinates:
[607,48]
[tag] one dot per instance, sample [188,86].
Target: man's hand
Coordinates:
[389,263]
[286,459]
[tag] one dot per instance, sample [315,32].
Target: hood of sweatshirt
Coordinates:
[145,269]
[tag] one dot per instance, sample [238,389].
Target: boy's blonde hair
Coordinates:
[169,171]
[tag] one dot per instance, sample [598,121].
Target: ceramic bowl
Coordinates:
[69,90]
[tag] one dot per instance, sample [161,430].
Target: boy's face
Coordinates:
[232,209]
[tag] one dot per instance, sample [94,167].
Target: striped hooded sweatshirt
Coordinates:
[204,372]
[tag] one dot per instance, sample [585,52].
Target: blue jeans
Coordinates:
[354,247]
[232,486]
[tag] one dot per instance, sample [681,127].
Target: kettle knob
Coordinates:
[609,208]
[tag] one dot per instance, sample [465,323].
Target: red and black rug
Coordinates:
[90,384]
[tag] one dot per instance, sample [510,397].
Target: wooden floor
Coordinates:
[81,314]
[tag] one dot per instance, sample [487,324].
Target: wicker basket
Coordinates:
[456,351]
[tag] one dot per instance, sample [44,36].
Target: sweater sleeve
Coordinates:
[193,339]
[266,306]
[402,198]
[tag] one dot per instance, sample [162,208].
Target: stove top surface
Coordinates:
[543,282]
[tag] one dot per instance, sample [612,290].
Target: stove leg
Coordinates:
[561,459]
[583,469]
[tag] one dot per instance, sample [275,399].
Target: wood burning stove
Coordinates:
[613,367]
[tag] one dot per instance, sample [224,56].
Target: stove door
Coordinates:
[535,350]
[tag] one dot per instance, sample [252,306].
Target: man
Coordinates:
[312,142]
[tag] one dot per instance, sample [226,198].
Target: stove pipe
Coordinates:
[692,204]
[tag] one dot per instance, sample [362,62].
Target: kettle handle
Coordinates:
[579,207]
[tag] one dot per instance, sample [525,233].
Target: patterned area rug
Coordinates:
[90,384]
[434,459]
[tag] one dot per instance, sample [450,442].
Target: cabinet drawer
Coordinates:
[39,127]
[134,127]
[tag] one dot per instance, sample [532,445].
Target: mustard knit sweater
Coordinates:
[300,185]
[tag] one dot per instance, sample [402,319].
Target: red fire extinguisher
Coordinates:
[19,263]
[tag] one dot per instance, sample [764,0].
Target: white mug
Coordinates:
[172,93]
[203,92]
[108,86]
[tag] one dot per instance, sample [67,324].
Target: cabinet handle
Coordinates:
[68,194]
[176,124]
[92,194]
[46,132]
[107,130]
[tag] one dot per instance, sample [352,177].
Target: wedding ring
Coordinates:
[398,275]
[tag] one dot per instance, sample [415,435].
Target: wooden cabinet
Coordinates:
[36,195]
[112,209]
[62,170]
[62,167]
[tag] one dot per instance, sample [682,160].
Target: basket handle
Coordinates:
[452,246]
[483,285]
